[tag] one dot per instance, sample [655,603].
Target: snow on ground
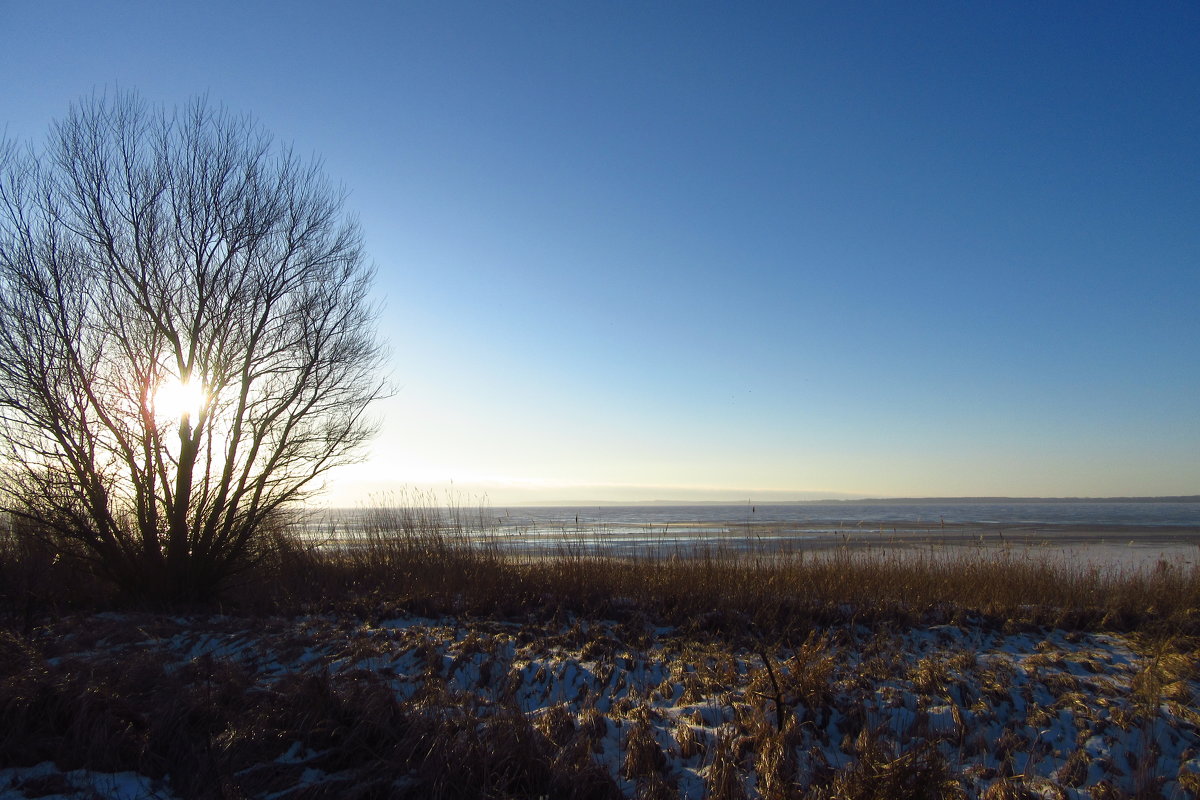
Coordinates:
[1063,714]
[47,782]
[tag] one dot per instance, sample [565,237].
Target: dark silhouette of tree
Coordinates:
[186,339]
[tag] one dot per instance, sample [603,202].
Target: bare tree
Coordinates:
[186,338]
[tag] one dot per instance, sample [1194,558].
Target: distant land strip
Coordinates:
[871,501]
[1190,498]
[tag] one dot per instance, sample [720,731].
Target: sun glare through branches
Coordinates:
[175,399]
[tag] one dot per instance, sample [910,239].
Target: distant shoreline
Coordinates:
[1191,498]
[863,501]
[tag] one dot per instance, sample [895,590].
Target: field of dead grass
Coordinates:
[418,659]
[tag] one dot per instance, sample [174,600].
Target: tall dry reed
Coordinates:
[434,558]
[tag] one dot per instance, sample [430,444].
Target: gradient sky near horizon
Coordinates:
[633,251]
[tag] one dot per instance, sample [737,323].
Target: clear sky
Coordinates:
[638,250]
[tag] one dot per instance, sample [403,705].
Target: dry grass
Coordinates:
[247,707]
[432,560]
[217,734]
[879,773]
[429,559]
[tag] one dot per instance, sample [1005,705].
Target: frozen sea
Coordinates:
[1142,533]
[838,515]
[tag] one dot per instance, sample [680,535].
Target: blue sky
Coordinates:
[630,251]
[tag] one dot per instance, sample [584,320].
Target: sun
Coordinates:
[175,399]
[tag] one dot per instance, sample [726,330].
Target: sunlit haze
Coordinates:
[759,251]
[174,398]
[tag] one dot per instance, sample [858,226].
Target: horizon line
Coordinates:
[1192,498]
